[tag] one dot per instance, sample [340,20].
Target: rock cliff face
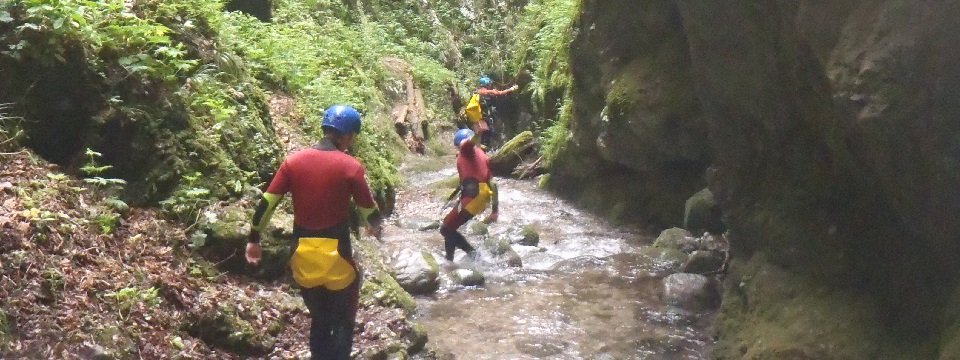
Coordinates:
[638,142]
[828,133]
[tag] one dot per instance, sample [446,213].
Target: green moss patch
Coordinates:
[771,313]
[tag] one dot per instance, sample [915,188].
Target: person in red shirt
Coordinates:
[477,190]
[487,92]
[322,180]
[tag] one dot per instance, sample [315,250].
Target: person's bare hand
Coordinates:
[254,253]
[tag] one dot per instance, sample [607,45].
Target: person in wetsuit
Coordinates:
[487,93]
[477,190]
[322,181]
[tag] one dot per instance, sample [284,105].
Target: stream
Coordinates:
[587,291]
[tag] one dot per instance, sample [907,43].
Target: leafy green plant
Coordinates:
[187,202]
[107,222]
[10,127]
[542,46]
[92,168]
[128,297]
[53,277]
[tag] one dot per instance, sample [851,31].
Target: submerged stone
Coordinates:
[468,277]
[691,292]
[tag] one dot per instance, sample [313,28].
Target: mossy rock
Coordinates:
[530,236]
[703,261]
[227,228]
[418,338]
[222,328]
[772,313]
[281,225]
[511,154]
[543,181]
[669,259]
[379,287]
[476,227]
[676,238]
[384,290]
[701,213]
[468,277]
[496,245]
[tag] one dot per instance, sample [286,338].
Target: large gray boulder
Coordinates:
[691,292]
[417,272]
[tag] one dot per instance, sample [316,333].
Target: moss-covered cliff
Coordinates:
[636,120]
[826,131]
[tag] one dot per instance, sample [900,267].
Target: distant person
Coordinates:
[483,95]
[322,180]
[477,190]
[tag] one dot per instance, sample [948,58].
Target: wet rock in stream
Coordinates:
[417,272]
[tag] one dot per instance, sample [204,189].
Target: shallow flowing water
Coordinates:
[587,291]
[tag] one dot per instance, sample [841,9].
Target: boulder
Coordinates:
[222,328]
[416,271]
[415,222]
[226,229]
[467,277]
[529,236]
[511,154]
[475,227]
[677,238]
[666,260]
[691,292]
[701,213]
[703,261]
[511,258]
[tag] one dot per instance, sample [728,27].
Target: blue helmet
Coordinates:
[342,118]
[461,135]
[485,81]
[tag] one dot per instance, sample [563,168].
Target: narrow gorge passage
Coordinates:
[589,290]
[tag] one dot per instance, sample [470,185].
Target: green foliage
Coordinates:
[553,139]
[107,222]
[47,30]
[53,278]
[11,128]
[325,54]
[128,297]
[542,46]
[93,168]
[189,200]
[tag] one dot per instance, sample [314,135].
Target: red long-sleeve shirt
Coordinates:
[321,184]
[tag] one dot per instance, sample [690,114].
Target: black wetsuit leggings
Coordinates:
[333,313]
[333,316]
[453,239]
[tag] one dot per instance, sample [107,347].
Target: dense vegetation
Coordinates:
[183,110]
